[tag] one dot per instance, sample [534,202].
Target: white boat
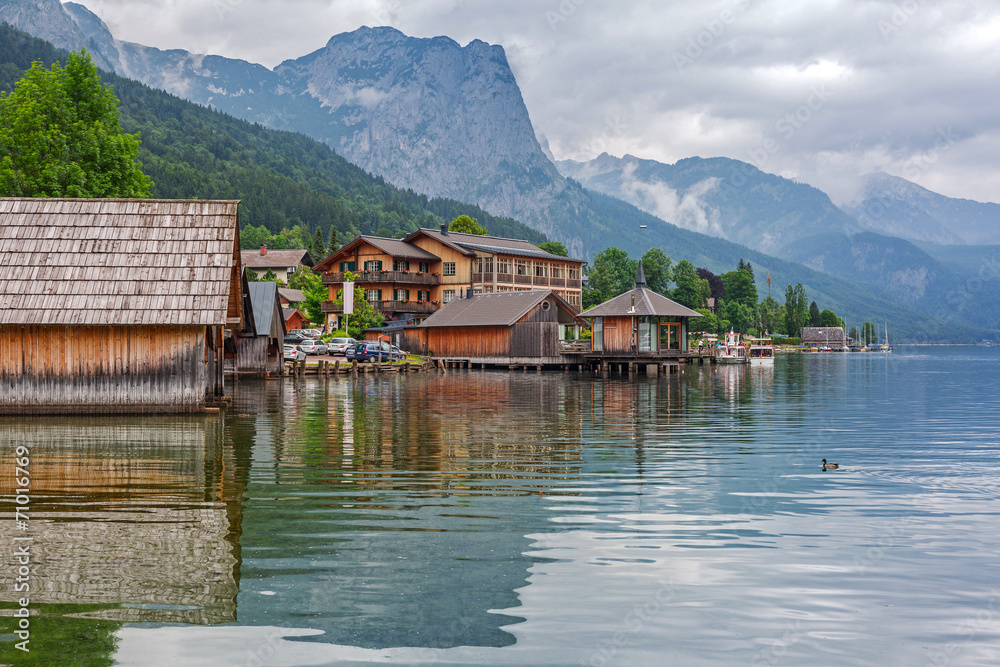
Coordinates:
[732,351]
[761,351]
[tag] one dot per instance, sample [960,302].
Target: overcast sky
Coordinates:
[818,90]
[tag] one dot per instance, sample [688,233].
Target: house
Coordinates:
[639,322]
[283,263]
[820,337]
[412,278]
[260,353]
[520,327]
[294,319]
[116,305]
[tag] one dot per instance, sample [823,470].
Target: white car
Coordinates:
[312,347]
[340,345]
[293,353]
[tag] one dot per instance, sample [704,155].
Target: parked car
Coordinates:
[398,353]
[293,353]
[367,351]
[340,345]
[294,339]
[310,346]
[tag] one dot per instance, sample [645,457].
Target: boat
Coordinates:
[761,351]
[732,351]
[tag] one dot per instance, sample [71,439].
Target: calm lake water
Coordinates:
[494,518]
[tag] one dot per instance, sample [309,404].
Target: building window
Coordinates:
[574,273]
[541,269]
[503,265]
[484,265]
[373,265]
[558,271]
[401,265]
[348,266]
[448,295]
[402,295]
[373,295]
[425,267]
[449,269]
[521,267]
[487,289]
[423,295]
[290,271]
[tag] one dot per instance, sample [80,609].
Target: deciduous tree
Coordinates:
[60,136]
[657,266]
[611,273]
[555,248]
[463,224]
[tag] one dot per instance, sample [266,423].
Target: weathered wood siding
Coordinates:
[257,355]
[535,339]
[414,341]
[619,338]
[67,369]
[469,341]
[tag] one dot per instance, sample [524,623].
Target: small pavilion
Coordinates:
[639,322]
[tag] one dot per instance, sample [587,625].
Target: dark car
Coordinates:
[368,351]
[294,339]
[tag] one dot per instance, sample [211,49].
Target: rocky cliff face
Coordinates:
[49,20]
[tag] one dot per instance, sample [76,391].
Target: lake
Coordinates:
[495,518]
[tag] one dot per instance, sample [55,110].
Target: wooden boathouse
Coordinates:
[116,305]
[639,327]
[259,352]
[496,328]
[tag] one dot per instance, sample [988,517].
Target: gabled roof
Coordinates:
[493,309]
[822,333]
[276,259]
[288,312]
[118,261]
[640,302]
[292,295]
[264,297]
[471,243]
[391,247]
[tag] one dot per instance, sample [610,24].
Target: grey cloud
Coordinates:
[601,76]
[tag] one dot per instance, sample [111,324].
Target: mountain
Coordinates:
[716,196]
[891,205]
[283,179]
[192,151]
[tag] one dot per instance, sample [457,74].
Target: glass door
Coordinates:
[670,336]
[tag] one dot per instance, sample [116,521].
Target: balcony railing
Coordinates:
[574,346]
[407,277]
[535,281]
[389,306]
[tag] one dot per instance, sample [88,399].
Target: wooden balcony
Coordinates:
[389,306]
[397,277]
[534,281]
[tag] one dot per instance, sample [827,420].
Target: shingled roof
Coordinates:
[493,309]
[276,259]
[494,245]
[118,261]
[640,302]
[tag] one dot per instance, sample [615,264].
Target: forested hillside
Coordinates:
[283,179]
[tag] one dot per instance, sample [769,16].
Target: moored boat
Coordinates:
[732,351]
[761,351]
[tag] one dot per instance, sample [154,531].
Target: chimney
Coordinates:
[263,249]
[444,229]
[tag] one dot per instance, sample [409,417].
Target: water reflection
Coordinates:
[521,518]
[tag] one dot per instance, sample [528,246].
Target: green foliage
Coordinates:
[813,314]
[691,291]
[853,333]
[365,315]
[868,333]
[611,273]
[269,276]
[658,268]
[745,266]
[252,276]
[60,136]
[796,311]
[742,317]
[740,287]
[770,315]
[827,318]
[463,224]
[311,284]
[555,248]
[708,322]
